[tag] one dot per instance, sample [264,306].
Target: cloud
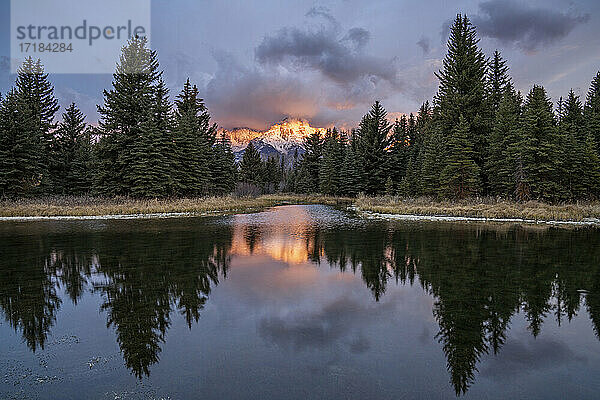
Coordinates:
[425,45]
[340,58]
[358,36]
[321,73]
[248,95]
[526,27]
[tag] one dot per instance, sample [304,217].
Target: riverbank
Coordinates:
[392,207]
[122,206]
[501,211]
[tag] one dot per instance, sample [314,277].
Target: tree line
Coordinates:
[143,145]
[478,136]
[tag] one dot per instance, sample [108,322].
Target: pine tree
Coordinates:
[419,131]
[194,139]
[408,185]
[20,173]
[38,106]
[498,82]
[399,154]
[591,166]
[462,89]
[73,170]
[501,165]
[311,162]
[124,115]
[460,176]
[224,170]
[270,173]
[374,140]
[251,166]
[539,151]
[572,139]
[150,164]
[591,114]
[592,109]
[352,169]
[419,128]
[432,157]
[331,165]
[390,189]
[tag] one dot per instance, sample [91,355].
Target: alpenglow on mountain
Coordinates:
[281,139]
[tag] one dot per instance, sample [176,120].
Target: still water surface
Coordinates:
[297,302]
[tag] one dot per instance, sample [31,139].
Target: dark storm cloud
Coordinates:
[358,36]
[525,26]
[321,73]
[338,57]
[425,44]
[249,96]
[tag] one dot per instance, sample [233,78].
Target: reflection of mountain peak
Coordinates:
[282,138]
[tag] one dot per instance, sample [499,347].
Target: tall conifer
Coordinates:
[505,135]
[224,171]
[152,151]
[460,176]
[592,109]
[124,116]
[572,141]
[331,165]
[73,152]
[38,106]
[194,138]
[374,140]
[539,149]
[462,89]
[20,173]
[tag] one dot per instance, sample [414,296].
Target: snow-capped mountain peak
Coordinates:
[283,138]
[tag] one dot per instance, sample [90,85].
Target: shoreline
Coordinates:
[445,218]
[388,208]
[90,208]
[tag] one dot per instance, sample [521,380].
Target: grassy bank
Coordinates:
[94,206]
[531,210]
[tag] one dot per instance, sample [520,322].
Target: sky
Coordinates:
[258,62]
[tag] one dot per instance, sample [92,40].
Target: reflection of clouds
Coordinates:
[259,281]
[529,354]
[360,344]
[339,319]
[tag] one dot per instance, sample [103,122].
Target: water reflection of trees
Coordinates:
[143,277]
[148,277]
[479,279]
[28,296]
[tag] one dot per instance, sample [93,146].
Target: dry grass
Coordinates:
[88,206]
[486,208]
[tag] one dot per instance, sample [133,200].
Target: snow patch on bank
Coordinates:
[106,217]
[442,218]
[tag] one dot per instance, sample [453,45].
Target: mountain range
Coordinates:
[282,139]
